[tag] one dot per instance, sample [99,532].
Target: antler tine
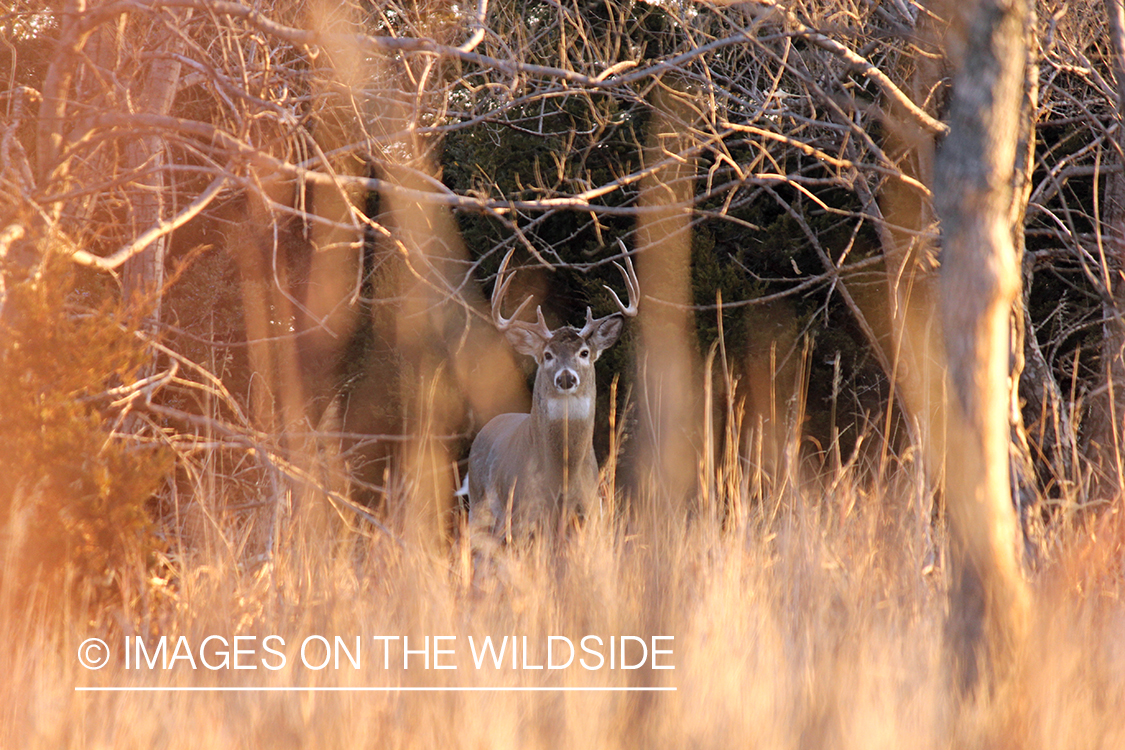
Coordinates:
[632,285]
[503,324]
[500,290]
[540,324]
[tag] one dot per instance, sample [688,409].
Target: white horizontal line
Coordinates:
[372,689]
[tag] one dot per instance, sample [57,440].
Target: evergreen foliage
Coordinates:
[76,507]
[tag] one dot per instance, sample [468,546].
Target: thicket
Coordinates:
[337,186]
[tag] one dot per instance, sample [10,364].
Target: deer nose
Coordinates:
[566,380]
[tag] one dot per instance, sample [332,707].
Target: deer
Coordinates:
[530,473]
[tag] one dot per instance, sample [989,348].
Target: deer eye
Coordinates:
[584,354]
[548,357]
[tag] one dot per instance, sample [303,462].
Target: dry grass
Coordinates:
[816,623]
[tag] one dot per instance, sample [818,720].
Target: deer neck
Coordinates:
[563,427]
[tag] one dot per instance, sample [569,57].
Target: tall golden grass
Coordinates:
[814,620]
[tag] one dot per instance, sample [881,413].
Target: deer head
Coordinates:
[566,355]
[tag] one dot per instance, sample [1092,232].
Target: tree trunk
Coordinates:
[1110,434]
[1038,395]
[669,409]
[143,274]
[979,283]
[1025,488]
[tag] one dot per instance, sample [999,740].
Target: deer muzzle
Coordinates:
[566,380]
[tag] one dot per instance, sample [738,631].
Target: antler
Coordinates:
[632,286]
[499,291]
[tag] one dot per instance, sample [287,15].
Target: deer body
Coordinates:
[529,472]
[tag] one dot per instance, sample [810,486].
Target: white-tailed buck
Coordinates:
[529,472]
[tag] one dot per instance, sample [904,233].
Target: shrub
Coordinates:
[73,518]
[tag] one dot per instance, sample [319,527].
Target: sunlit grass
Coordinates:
[813,623]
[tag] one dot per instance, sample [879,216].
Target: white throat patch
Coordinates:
[573,407]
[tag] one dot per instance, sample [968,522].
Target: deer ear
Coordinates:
[605,333]
[526,341]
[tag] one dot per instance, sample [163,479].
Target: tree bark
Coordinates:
[980,281]
[1038,395]
[143,274]
[1025,488]
[1110,435]
[667,364]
